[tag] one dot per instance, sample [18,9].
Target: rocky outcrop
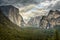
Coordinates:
[13,14]
[34,21]
[6,24]
[49,21]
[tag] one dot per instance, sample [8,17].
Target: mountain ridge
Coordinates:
[52,19]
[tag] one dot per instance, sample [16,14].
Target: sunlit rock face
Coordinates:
[13,14]
[51,20]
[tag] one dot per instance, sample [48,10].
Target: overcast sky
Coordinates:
[49,3]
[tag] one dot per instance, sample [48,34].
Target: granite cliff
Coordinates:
[52,19]
[12,13]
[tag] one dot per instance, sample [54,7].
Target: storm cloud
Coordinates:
[19,3]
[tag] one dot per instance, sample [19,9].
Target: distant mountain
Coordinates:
[12,13]
[34,21]
[52,19]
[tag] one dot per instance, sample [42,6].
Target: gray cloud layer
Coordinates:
[19,1]
[57,5]
[27,2]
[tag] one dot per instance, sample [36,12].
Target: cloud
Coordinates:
[19,1]
[56,6]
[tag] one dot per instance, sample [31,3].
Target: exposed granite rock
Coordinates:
[49,21]
[13,14]
[34,21]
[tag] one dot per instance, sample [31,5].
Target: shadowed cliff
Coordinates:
[12,13]
[51,20]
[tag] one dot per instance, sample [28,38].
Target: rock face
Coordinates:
[34,21]
[13,14]
[51,20]
[6,24]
